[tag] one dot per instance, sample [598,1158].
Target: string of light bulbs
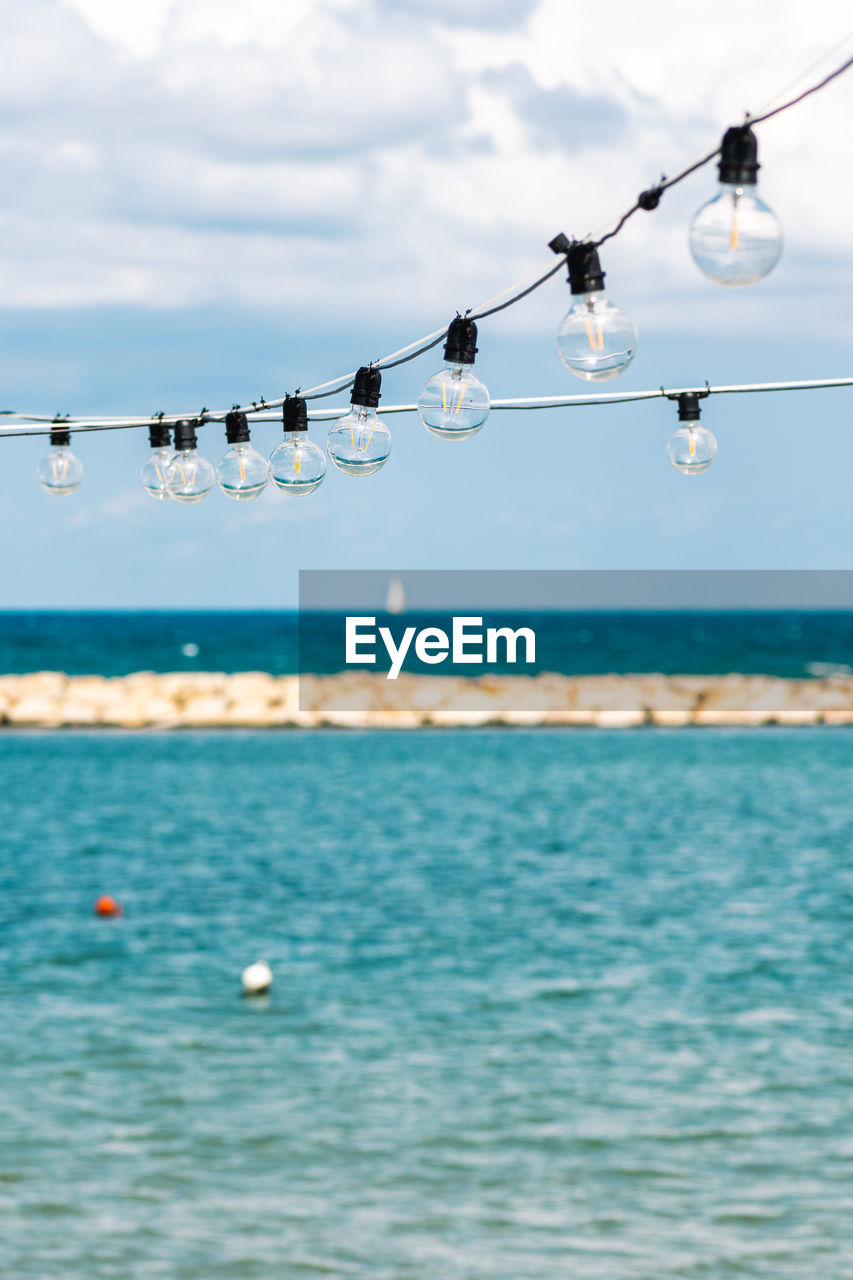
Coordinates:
[734,239]
[21,428]
[691,448]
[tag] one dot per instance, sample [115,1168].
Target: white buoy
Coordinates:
[257,978]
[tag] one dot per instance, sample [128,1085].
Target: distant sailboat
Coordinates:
[395,601]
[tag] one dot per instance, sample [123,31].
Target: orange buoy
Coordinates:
[107,906]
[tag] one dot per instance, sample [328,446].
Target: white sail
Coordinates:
[395,601]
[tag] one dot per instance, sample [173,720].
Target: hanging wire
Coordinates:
[421,345]
[647,200]
[807,71]
[409,352]
[520,404]
[801,97]
[510,302]
[389,363]
[650,198]
[335,386]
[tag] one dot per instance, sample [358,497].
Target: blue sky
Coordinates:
[206,203]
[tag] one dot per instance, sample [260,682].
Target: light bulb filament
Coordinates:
[181,474]
[459,401]
[735,236]
[242,467]
[444,396]
[296,461]
[596,340]
[361,422]
[692,440]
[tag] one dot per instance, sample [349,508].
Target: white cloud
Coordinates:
[135,28]
[384,155]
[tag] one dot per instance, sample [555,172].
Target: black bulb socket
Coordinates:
[739,156]
[236,427]
[461,344]
[294,414]
[59,437]
[366,389]
[688,407]
[185,437]
[585,274]
[158,435]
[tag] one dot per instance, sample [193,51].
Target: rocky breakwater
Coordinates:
[253,699]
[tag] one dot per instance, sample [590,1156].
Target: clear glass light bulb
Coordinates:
[296,465]
[596,340]
[242,472]
[691,449]
[453,404]
[60,471]
[734,237]
[360,442]
[189,476]
[154,473]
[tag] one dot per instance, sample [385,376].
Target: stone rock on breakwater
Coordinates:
[254,699]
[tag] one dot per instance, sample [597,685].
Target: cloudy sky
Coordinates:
[206,202]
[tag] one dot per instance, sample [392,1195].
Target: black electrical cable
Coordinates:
[650,198]
[647,200]
[481,315]
[382,364]
[345,386]
[428,346]
[524,405]
[322,395]
[792,102]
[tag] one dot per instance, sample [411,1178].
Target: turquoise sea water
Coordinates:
[794,643]
[546,1004]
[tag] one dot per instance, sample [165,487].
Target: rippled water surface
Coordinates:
[546,1004]
[799,644]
